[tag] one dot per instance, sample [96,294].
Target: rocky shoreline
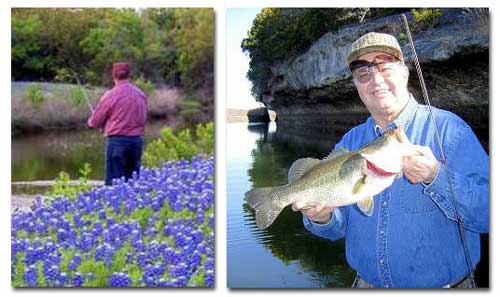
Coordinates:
[25,192]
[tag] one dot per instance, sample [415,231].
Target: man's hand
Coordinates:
[423,168]
[319,213]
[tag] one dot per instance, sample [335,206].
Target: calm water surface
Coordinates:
[42,156]
[285,255]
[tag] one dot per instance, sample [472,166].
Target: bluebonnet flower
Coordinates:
[51,272]
[120,280]
[62,279]
[211,222]
[41,228]
[156,204]
[209,278]
[164,283]
[181,281]
[30,227]
[130,258]
[168,255]
[142,259]
[102,214]
[200,217]
[77,220]
[97,229]
[31,276]
[168,229]
[110,222]
[104,252]
[209,264]
[150,275]
[87,241]
[138,245]
[78,280]
[31,256]
[96,225]
[136,235]
[75,262]
[154,250]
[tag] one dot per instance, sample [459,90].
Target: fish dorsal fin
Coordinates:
[300,167]
[366,206]
[336,153]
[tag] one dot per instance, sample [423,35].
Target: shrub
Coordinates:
[145,85]
[181,146]
[34,94]
[205,137]
[77,95]
[64,188]
[425,18]
[63,75]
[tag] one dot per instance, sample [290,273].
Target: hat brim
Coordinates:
[374,48]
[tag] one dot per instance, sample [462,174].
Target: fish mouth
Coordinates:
[377,170]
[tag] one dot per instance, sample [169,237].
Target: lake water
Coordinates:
[285,255]
[42,156]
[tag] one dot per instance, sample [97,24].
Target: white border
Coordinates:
[220,91]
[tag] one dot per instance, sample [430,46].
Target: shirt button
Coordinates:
[381,261]
[381,231]
[384,203]
[387,286]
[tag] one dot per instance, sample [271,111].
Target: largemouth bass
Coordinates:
[342,178]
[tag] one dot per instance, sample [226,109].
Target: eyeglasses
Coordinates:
[362,70]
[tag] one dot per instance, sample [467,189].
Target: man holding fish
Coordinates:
[407,235]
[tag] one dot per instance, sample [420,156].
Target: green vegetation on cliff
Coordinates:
[278,34]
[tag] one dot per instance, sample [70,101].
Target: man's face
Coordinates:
[382,89]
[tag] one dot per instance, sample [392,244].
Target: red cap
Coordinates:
[121,70]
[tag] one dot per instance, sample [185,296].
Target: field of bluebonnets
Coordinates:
[154,230]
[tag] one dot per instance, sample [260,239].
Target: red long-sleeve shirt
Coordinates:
[121,111]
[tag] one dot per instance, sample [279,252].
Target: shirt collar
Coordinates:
[403,118]
[122,82]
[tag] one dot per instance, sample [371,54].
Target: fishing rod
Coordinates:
[83,91]
[463,238]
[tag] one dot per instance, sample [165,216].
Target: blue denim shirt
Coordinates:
[412,239]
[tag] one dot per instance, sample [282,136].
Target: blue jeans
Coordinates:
[123,156]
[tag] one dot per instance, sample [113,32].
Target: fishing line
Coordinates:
[463,238]
[83,91]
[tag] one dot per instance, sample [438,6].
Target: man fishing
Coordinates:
[121,114]
[424,229]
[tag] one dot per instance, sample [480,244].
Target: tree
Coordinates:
[193,37]
[164,45]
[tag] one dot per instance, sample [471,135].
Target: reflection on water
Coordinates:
[43,156]
[285,254]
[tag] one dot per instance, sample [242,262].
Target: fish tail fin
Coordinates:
[266,210]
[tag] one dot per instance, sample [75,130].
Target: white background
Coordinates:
[220,11]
